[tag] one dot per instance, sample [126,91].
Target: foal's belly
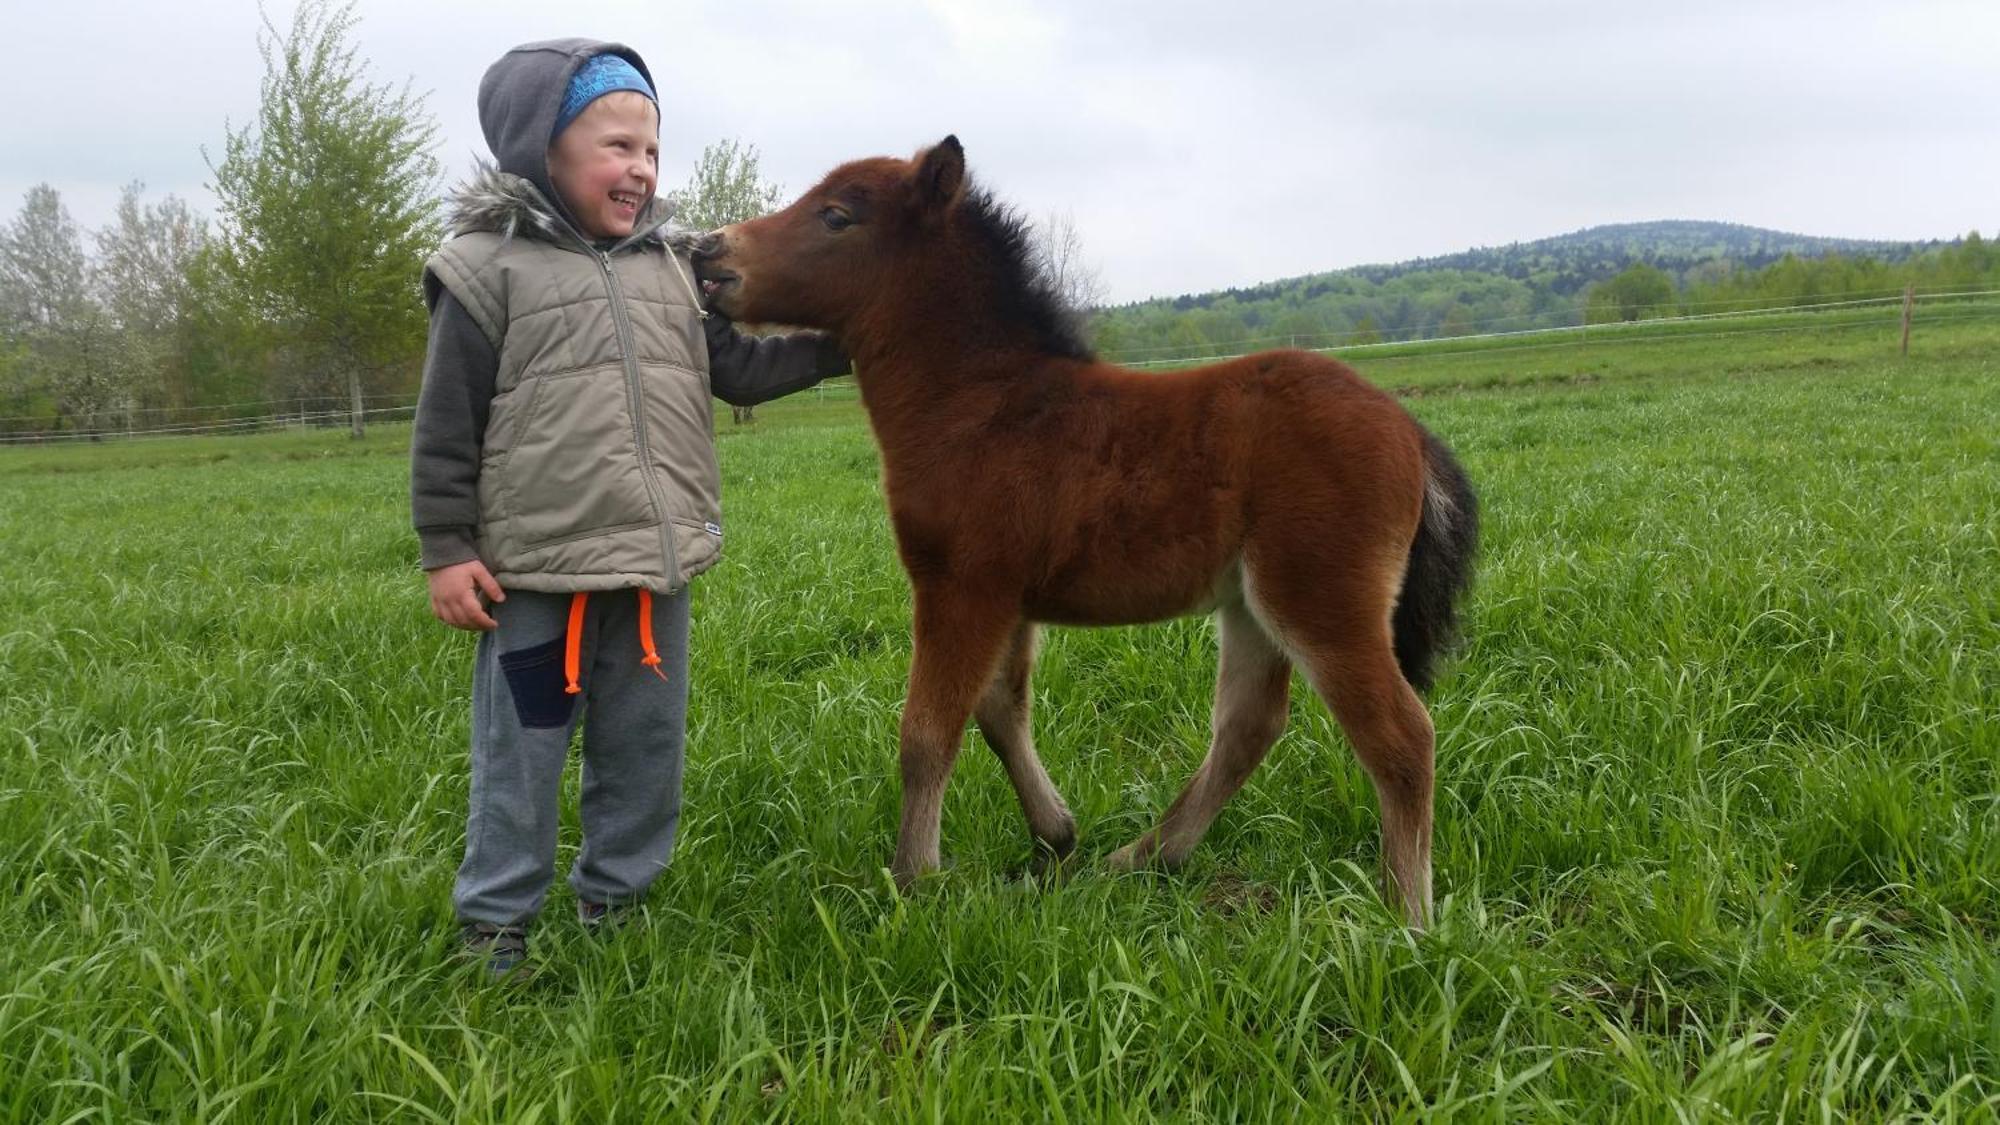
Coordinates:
[1099,596]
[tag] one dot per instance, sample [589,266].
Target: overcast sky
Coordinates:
[1197,145]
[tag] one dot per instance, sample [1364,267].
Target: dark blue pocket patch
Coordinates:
[535,680]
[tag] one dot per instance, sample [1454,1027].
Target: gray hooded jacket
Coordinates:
[562,433]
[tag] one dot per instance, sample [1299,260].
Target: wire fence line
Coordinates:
[333,412]
[290,414]
[311,419]
[276,407]
[328,410]
[1658,337]
[1344,341]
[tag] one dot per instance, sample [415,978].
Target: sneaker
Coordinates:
[604,917]
[501,950]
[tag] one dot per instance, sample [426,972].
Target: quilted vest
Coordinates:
[598,468]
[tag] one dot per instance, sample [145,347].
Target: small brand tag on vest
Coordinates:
[713,529]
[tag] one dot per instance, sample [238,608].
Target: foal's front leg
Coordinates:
[959,639]
[1002,715]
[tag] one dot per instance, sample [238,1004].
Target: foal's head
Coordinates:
[823,259]
[888,235]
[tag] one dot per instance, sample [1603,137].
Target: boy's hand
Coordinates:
[455,592]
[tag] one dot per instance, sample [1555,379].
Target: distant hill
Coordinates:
[1567,263]
[1521,285]
[1578,258]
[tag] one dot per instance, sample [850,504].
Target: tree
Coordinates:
[1185,339]
[229,349]
[1110,338]
[42,268]
[1222,326]
[329,204]
[1969,262]
[55,333]
[144,261]
[1297,328]
[727,187]
[1060,250]
[1639,291]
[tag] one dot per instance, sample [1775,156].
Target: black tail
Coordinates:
[1440,566]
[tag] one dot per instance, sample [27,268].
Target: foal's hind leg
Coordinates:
[958,644]
[1002,715]
[1252,682]
[1355,672]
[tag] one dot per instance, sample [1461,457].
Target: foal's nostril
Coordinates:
[708,245]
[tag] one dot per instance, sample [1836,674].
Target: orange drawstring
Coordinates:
[573,640]
[652,659]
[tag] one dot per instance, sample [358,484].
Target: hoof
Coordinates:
[1132,857]
[1049,862]
[1143,854]
[911,881]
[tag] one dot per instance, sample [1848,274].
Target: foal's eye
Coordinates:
[836,219]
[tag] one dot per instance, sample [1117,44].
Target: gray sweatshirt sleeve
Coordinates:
[460,370]
[745,370]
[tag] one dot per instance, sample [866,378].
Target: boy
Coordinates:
[563,480]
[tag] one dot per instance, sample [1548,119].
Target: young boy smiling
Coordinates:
[563,479]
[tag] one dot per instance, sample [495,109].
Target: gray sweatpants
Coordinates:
[634,734]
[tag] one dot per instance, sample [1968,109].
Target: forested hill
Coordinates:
[1568,263]
[1544,283]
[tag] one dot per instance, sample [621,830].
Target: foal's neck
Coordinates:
[940,356]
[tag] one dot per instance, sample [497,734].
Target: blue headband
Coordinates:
[598,76]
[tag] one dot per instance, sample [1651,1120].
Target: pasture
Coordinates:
[1718,809]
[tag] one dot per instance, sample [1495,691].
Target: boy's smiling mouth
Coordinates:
[625,200]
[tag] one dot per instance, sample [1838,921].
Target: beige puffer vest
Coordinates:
[598,470]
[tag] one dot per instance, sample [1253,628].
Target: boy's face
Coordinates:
[606,164]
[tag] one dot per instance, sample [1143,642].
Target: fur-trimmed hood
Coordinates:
[506,204]
[520,98]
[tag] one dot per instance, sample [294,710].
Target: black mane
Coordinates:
[1027,294]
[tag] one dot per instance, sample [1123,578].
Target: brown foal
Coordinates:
[1027,483]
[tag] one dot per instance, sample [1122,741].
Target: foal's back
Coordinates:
[1138,493]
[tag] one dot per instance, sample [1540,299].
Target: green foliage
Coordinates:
[727,186]
[1455,322]
[1638,292]
[44,276]
[328,207]
[232,356]
[145,264]
[1555,282]
[59,341]
[1185,337]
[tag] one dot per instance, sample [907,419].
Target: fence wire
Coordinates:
[302,414]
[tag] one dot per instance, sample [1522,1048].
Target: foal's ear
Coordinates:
[941,173]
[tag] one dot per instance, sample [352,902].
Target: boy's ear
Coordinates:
[941,173]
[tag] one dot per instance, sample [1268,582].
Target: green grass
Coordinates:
[1718,812]
[1751,342]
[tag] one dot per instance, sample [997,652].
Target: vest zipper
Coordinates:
[638,401]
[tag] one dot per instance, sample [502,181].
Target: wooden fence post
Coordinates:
[1909,299]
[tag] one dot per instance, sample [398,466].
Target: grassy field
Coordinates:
[1718,813]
